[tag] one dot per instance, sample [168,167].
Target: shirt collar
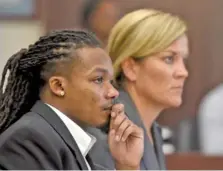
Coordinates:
[84,140]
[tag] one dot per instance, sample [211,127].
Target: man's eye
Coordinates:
[99,80]
[169,59]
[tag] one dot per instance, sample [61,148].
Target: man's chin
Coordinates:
[105,127]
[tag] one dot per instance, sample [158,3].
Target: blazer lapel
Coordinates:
[156,130]
[90,162]
[49,115]
[149,160]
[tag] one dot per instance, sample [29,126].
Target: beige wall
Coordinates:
[15,35]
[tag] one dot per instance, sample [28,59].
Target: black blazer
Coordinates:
[39,140]
[153,157]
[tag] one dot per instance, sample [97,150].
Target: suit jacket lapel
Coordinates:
[49,115]
[90,162]
[149,160]
[156,130]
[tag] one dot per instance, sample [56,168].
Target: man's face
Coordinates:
[107,15]
[89,92]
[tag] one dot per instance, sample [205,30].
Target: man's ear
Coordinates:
[130,69]
[58,85]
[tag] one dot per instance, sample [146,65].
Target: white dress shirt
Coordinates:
[84,140]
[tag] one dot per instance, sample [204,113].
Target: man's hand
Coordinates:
[126,140]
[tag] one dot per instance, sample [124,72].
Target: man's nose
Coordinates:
[112,92]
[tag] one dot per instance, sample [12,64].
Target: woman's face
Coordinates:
[159,79]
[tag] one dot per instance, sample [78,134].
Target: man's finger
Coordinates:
[117,120]
[118,108]
[121,129]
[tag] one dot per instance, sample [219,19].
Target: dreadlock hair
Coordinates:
[29,70]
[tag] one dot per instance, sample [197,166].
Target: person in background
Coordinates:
[56,87]
[210,122]
[99,16]
[148,48]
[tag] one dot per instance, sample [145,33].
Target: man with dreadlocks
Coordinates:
[55,88]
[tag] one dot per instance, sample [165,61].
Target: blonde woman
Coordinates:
[148,48]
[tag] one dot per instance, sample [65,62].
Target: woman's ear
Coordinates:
[130,68]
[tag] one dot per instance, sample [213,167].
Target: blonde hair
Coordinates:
[142,33]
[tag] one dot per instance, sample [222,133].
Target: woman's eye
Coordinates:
[99,80]
[169,59]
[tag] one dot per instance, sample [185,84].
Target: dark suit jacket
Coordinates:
[153,157]
[40,141]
